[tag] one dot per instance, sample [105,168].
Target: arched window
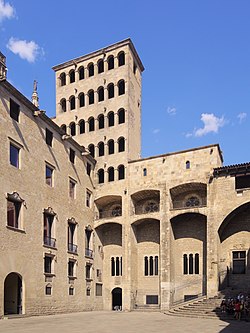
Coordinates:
[121,172]
[185,264]
[72,76]
[110,61]
[100,65]
[91,96]
[91,69]
[82,126]
[117,266]
[63,79]
[111,119]
[64,128]
[146,266]
[100,92]
[111,90]
[151,265]
[101,121]
[101,148]
[191,264]
[91,122]
[81,73]
[196,263]
[81,98]
[100,176]
[63,105]
[111,147]
[72,127]
[144,172]
[121,87]
[187,164]
[91,149]
[121,144]
[112,266]
[156,265]
[121,116]
[111,174]
[121,58]
[72,102]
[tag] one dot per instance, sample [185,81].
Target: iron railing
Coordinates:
[72,248]
[88,253]
[49,241]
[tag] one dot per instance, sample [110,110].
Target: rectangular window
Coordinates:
[72,247]
[88,272]
[98,289]
[72,155]
[13,213]
[88,198]
[48,290]
[71,268]
[151,299]
[49,175]
[71,291]
[47,264]
[14,155]
[239,262]
[72,189]
[49,137]
[242,182]
[14,110]
[48,239]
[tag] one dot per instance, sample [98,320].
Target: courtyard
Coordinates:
[113,322]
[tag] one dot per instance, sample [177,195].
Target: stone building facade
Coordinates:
[87,224]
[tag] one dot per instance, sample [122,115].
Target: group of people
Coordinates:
[238,307]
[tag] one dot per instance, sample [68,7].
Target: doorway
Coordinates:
[117,299]
[13,294]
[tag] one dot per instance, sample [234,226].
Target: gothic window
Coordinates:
[81,73]
[101,148]
[116,266]
[121,172]
[91,149]
[111,119]
[110,62]
[121,116]
[144,172]
[91,69]
[121,58]
[121,87]
[63,105]
[191,263]
[101,121]
[14,110]
[63,79]
[121,144]
[81,98]
[72,102]
[192,202]
[111,174]
[100,92]
[111,90]
[111,147]
[91,96]
[185,264]
[151,264]
[82,126]
[100,176]
[72,76]
[91,122]
[14,204]
[72,127]
[100,65]
[187,164]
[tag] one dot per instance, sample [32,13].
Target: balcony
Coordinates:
[89,253]
[72,248]
[191,202]
[49,241]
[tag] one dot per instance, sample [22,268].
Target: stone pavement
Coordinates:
[119,322]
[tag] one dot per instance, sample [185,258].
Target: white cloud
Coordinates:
[171,111]
[241,116]
[156,131]
[6,10]
[211,124]
[26,50]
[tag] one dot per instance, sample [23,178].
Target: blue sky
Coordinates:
[196,83]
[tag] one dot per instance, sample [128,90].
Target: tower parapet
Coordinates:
[3,68]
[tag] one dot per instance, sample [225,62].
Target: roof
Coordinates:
[100,52]
[232,170]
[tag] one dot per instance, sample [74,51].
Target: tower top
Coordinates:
[3,68]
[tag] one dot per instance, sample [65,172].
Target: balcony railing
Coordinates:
[49,241]
[192,202]
[146,209]
[115,212]
[88,253]
[72,248]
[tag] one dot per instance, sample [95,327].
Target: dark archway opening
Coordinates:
[117,299]
[13,294]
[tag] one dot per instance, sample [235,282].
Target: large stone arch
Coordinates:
[233,249]
[188,243]
[189,195]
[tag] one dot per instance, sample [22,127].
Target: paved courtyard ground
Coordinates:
[119,322]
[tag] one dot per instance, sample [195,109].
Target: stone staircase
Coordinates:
[147,308]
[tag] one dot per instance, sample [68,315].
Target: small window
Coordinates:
[72,102]
[121,87]
[91,122]
[81,73]
[111,119]
[47,264]
[187,164]
[91,69]
[121,144]
[116,266]
[151,299]
[98,289]
[13,213]
[239,262]
[145,172]
[111,147]
[111,90]
[48,290]
[82,126]
[101,121]
[100,92]
[121,116]
[242,182]
[88,272]
[63,105]
[121,58]
[91,149]
[134,68]
[111,174]
[81,98]
[72,76]
[91,96]
[191,264]
[14,155]
[49,175]
[64,128]
[14,110]
[100,65]
[63,79]
[71,291]
[88,198]
[72,127]
[100,176]
[71,268]
[88,291]
[121,172]
[185,264]
[88,168]
[49,137]
[196,263]
[101,148]
[72,189]
[110,62]
[72,155]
